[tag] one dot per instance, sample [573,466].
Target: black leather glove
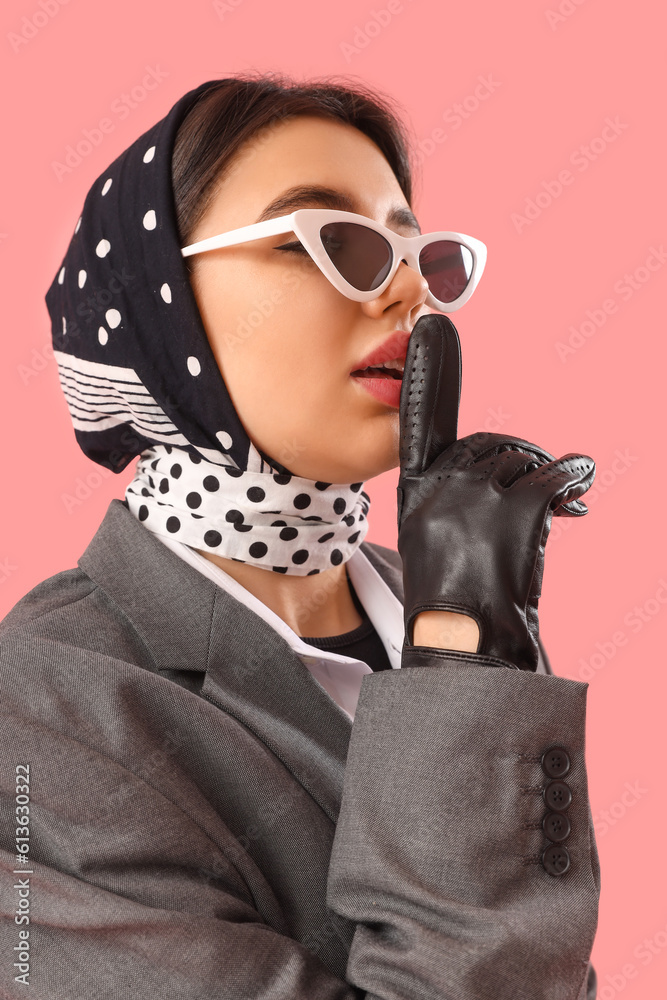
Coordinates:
[474,514]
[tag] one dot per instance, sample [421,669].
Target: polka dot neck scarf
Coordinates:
[140,378]
[275,520]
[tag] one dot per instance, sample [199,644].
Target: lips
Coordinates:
[385,389]
[384,383]
[394,348]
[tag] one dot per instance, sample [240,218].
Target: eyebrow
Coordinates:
[306,194]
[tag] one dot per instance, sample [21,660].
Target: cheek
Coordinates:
[290,341]
[277,362]
[237,311]
[279,340]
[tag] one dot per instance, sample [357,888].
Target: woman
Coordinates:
[203,819]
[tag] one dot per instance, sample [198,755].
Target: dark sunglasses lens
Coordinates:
[361,255]
[447,266]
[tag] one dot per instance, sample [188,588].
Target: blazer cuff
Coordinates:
[432,656]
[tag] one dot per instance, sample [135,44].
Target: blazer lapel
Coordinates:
[188,623]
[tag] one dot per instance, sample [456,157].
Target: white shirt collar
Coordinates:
[339,675]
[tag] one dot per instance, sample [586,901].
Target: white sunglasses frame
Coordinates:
[306,223]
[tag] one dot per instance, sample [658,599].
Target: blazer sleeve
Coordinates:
[439,852]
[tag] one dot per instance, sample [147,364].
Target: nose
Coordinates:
[406,293]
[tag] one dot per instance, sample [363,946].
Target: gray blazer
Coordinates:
[205,822]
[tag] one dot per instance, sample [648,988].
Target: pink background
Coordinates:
[556,74]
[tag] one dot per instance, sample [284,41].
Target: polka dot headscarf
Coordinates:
[140,378]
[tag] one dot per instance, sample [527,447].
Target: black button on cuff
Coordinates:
[556,860]
[557,795]
[555,762]
[556,827]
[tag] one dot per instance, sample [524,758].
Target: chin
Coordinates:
[376,466]
[338,472]
[381,458]
[374,450]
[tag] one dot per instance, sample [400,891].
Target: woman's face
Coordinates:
[284,338]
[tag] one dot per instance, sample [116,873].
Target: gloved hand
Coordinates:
[474,514]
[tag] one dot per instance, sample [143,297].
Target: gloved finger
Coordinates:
[566,479]
[518,464]
[430,393]
[483,445]
[507,465]
[574,508]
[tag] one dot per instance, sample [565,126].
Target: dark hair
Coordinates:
[226,116]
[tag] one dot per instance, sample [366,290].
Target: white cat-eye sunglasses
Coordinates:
[360,257]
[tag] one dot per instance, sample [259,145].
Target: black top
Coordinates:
[363,643]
